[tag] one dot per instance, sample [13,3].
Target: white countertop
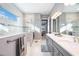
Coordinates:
[67,43]
[10,35]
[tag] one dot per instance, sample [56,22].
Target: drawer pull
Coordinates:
[9,41]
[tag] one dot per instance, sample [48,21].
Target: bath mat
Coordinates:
[44,48]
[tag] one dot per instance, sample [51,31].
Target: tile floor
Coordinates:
[35,49]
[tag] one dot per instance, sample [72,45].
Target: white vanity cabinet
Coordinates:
[7,49]
[12,45]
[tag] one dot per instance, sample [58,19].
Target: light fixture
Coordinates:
[56,14]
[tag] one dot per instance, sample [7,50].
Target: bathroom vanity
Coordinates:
[12,44]
[62,45]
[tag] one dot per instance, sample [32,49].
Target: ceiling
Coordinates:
[42,8]
[71,8]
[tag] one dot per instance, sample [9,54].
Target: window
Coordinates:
[4,13]
[3,29]
[7,19]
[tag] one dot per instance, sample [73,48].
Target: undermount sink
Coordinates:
[58,35]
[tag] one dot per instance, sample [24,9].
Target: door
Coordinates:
[44,26]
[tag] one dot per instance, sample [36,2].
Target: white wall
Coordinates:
[28,22]
[34,23]
[48,25]
[37,23]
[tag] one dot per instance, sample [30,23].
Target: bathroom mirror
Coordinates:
[69,20]
[69,23]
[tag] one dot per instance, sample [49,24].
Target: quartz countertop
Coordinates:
[67,43]
[10,35]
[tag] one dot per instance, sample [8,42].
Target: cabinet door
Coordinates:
[50,46]
[59,53]
[55,52]
[7,49]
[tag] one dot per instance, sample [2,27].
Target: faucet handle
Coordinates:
[76,39]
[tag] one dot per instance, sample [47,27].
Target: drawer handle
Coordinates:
[9,41]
